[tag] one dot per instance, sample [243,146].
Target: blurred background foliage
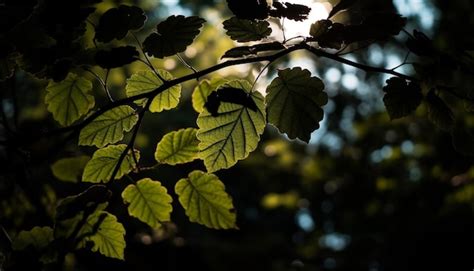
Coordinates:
[367,193]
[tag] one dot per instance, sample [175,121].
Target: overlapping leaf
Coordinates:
[37,237]
[70,169]
[116,22]
[146,81]
[243,30]
[202,91]
[242,51]
[106,234]
[178,147]
[205,201]
[438,112]
[109,127]
[104,161]
[148,201]
[294,101]
[116,57]
[174,35]
[69,99]
[401,98]
[234,133]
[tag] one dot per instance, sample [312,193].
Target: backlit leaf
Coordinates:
[146,81]
[116,22]
[294,101]
[234,133]
[106,234]
[438,112]
[70,169]
[178,147]
[103,162]
[109,127]
[69,99]
[148,201]
[174,35]
[243,30]
[205,201]
[202,91]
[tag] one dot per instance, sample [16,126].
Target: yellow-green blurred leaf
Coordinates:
[70,169]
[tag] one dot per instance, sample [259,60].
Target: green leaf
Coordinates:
[205,201]
[243,30]
[109,127]
[104,161]
[146,81]
[149,202]
[234,133]
[438,112]
[69,99]
[294,100]
[178,147]
[38,238]
[174,35]
[70,169]
[202,91]
[401,98]
[106,234]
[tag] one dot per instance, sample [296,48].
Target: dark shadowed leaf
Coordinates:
[73,205]
[420,44]
[294,100]
[116,57]
[242,51]
[173,36]
[229,95]
[243,30]
[249,9]
[342,5]
[401,98]
[438,112]
[290,11]
[116,22]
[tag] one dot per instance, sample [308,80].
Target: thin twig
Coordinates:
[186,64]
[403,63]
[148,62]
[102,82]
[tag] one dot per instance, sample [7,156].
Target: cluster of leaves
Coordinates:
[232,114]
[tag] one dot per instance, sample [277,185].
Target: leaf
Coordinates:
[116,57]
[290,11]
[294,100]
[37,237]
[106,234]
[146,81]
[229,95]
[148,201]
[320,28]
[116,22]
[234,133]
[69,169]
[249,9]
[103,162]
[205,201]
[242,51]
[401,98]
[73,205]
[109,127]
[69,99]
[342,5]
[178,147]
[243,30]
[174,35]
[202,91]
[438,112]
